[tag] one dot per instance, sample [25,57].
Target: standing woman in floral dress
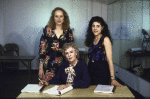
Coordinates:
[56,33]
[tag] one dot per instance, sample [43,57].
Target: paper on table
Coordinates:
[54,90]
[66,90]
[104,88]
[31,88]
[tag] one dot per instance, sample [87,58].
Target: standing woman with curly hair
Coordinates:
[100,66]
[56,33]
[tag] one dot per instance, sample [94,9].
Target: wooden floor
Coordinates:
[13,81]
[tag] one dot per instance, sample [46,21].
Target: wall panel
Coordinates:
[23,21]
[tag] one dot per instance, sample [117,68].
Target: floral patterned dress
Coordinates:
[98,66]
[50,52]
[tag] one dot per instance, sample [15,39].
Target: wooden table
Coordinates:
[19,59]
[119,93]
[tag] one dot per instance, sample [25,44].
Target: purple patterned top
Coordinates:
[97,52]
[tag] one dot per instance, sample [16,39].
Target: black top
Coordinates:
[98,66]
[81,80]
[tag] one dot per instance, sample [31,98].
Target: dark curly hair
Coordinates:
[66,23]
[90,36]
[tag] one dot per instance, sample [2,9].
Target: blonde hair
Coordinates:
[67,45]
[66,23]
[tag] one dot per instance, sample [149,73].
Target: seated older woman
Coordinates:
[73,72]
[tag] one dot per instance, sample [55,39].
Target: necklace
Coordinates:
[96,40]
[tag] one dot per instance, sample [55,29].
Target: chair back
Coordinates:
[11,49]
[1,50]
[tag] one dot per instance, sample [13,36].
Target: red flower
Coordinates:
[49,32]
[48,76]
[56,46]
[103,43]
[43,45]
[71,36]
[47,58]
[57,59]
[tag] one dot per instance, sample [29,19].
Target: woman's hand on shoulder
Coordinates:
[116,83]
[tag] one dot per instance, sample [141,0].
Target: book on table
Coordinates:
[104,88]
[54,90]
[32,88]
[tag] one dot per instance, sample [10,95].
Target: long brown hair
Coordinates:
[66,23]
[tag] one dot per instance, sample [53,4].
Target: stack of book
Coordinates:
[104,89]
